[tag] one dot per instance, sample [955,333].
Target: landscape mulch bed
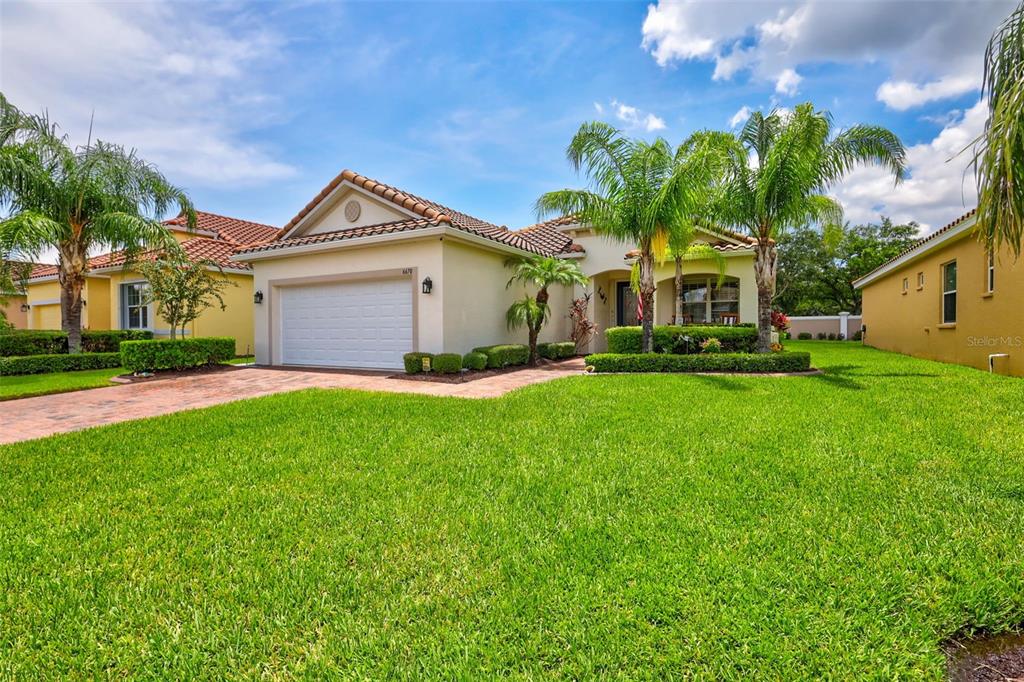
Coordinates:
[987,659]
[465,377]
[168,374]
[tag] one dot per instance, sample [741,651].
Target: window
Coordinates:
[949,293]
[990,273]
[134,308]
[705,301]
[920,280]
[906,284]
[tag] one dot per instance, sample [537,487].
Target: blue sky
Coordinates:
[254,107]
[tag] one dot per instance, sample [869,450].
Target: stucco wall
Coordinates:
[13,312]
[824,324]
[912,322]
[331,217]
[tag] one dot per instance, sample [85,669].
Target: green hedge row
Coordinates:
[149,356]
[682,339]
[474,360]
[786,361]
[58,362]
[447,363]
[48,342]
[556,351]
[505,355]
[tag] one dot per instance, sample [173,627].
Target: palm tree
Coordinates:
[780,167]
[80,199]
[692,251]
[999,156]
[541,272]
[640,192]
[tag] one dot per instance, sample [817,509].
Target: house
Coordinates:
[947,298]
[114,297]
[366,272]
[14,303]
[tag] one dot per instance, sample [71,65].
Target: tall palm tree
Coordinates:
[780,168]
[640,192]
[80,199]
[540,272]
[999,156]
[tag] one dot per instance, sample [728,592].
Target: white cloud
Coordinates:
[939,189]
[635,119]
[740,116]
[598,108]
[933,50]
[652,123]
[187,99]
[787,82]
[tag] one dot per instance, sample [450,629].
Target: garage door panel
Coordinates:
[347,324]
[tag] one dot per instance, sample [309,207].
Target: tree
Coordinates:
[640,192]
[182,289]
[541,272]
[78,200]
[686,249]
[780,167]
[817,268]
[999,156]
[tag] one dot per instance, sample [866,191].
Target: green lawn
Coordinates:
[59,382]
[837,526]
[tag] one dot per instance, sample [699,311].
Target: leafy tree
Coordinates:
[78,200]
[640,193]
[541,272]
[817,268]
[999,156]
[781,166]
[182,289]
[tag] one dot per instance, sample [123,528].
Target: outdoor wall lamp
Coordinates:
[601,294]
[427,285]
[25,307]
[257,298]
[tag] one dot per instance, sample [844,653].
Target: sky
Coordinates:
[254,107]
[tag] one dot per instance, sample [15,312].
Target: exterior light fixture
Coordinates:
[257,298]
[427,285]
[25,307]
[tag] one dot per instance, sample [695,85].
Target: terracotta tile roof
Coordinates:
[231,230]
[197,248]
[726,248]
[341,235]
[546,236]
[430,210]
[921,242]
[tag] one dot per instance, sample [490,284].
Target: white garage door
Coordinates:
[347,324]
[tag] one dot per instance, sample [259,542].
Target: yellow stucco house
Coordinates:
[947,298]
[114,297]
[366,272]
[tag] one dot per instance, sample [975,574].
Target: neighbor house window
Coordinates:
[134,308]
[906,284]
[949,293]
[920,280]
[990,273]
[705,301]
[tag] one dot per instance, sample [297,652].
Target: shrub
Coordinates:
[822,336]
[504,355]
[447,363]
[109,340]
[831,336]
[46,342]
[804,336]
[785,361]
[683,339]
[149,356]
[414,362]
[58,362]
[557,351]
[840,337]
[857,335]
[474,360]
[711,345]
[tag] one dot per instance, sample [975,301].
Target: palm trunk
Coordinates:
[647,299]
[534,356]
[71,275]
[679,290]
[764,274]
[542,300]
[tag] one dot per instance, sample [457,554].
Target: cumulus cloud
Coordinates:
[599,108]
[633,118]
[933,52]
[740,116]
[186,98]
[787,82]
[939,189]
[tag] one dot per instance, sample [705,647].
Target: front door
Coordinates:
[625,306]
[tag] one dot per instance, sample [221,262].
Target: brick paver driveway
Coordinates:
[46,415]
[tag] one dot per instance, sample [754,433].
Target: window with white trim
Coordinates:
[134,306]
[990,273]
[949,293]
[906,284]
[705,301]
[920,280]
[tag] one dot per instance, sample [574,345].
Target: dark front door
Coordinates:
[625,305]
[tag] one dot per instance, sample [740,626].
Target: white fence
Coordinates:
[843,323]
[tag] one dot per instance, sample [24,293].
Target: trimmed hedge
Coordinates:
[414,362]
[49,342]
[149,356]
[58,362]
[557,351]
[504,355]
[683,339]
[447,363]
[474,360]
[804,336]
[786,361]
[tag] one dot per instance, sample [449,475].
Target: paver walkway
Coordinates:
[29,418]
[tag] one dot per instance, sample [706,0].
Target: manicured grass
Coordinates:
[837,526]
[28,385]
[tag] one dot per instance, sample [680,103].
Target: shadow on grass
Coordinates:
[843,376]
[723,383]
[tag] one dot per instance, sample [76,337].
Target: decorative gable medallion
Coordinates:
[352,211]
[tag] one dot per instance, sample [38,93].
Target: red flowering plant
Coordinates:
[780,321]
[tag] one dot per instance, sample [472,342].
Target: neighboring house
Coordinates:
[115,297]
[14,304]
[367,272]
[947,298]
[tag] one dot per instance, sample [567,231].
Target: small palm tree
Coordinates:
[693,251]
[999,156]
[78,200]
[780,167]
[640,192]
[540,272]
